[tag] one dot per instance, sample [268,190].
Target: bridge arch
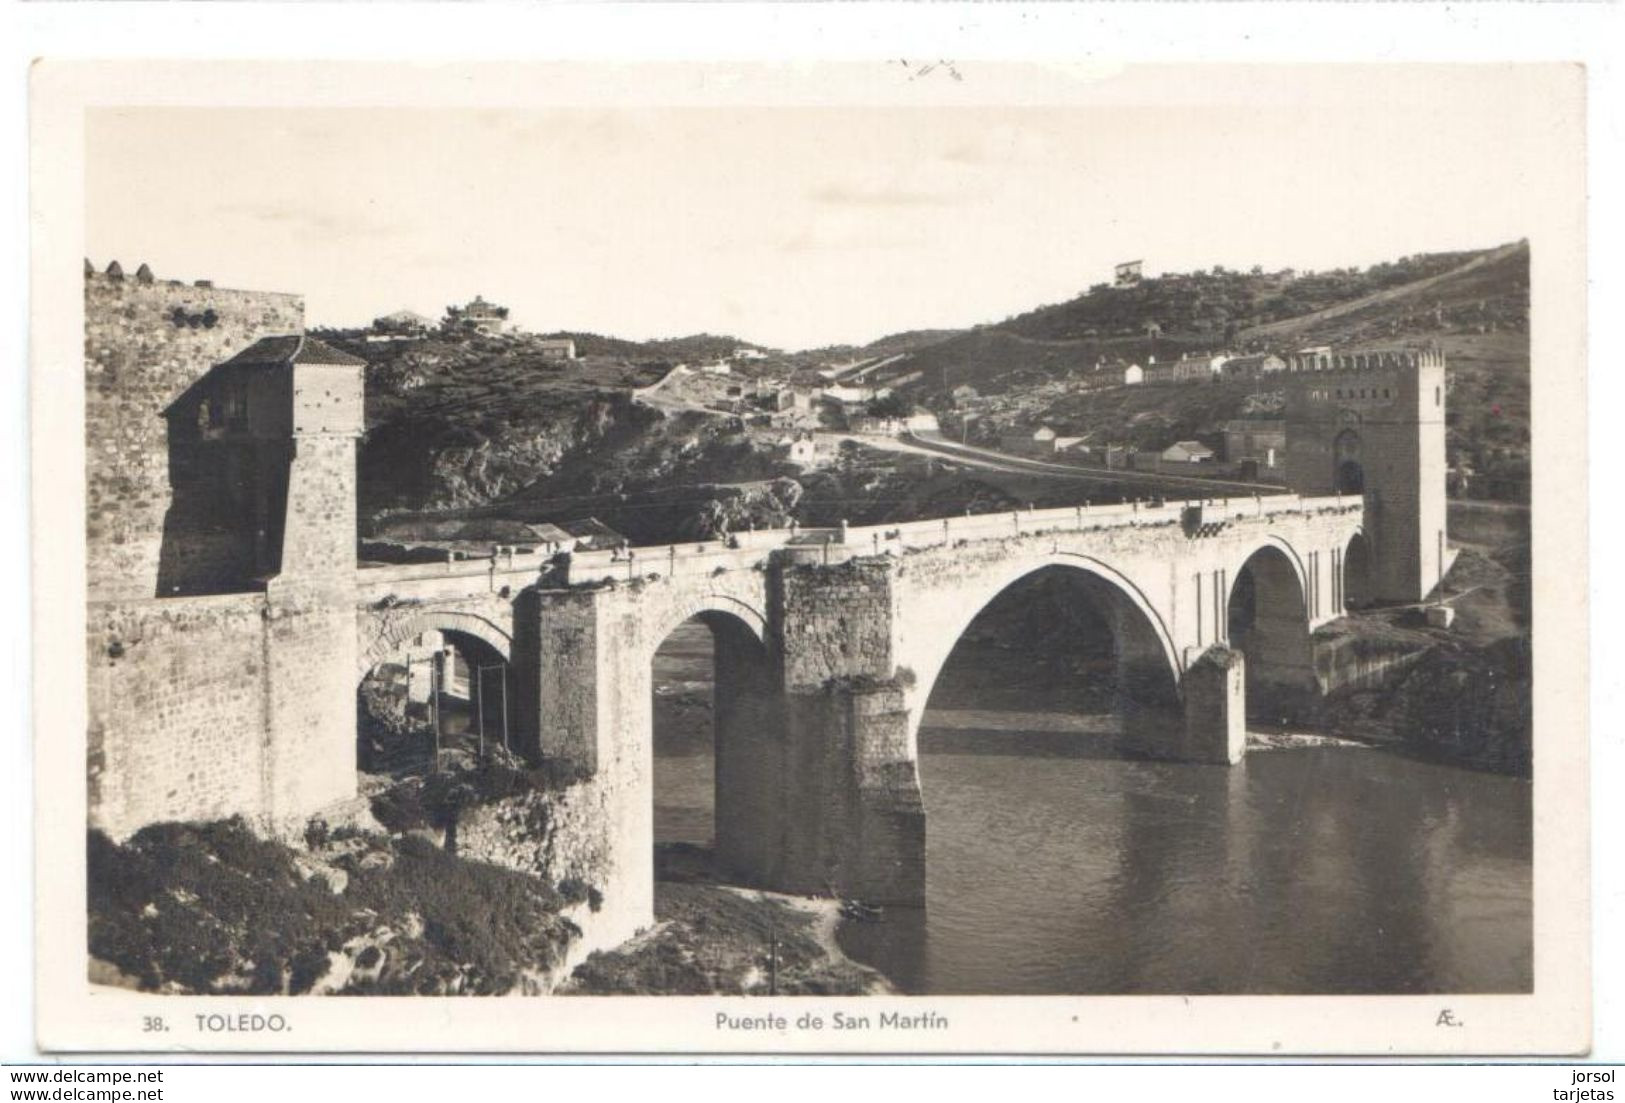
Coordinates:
[1288,553]
[398,633]
[715,610]
[733,813]
[415,693]
[1358,567]
[1267,619]
[1143,643]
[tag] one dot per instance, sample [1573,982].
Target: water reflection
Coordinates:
[1323,870]
[1055,865]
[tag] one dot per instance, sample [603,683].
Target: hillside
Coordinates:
[1038,367]
[489,425]
[890,345]
[676,350]
[1412,299]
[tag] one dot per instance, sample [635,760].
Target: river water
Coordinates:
[1055,866]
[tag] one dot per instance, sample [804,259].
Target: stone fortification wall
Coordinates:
[241,703]
[207,707]
[145,344]
[177,709]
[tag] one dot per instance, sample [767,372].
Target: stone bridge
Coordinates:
[828,644]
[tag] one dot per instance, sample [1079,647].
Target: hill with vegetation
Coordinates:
[469,423]
[1040,367]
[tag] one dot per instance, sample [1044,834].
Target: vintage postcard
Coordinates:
[894,557]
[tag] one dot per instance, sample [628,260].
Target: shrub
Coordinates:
[211,908]
[188,905]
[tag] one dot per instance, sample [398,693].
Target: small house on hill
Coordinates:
[556,348]
[402,323]
[1253,366]
[893,425]
[1187,369]
[800,449]
[1187,451]
[591,534]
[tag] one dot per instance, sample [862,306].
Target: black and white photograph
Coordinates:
[874,549]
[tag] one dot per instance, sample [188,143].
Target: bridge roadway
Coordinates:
[513,568]
[1158,482]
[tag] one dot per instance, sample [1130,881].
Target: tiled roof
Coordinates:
[293,349]
[550,533]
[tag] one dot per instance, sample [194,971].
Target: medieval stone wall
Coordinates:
[177,709]
[145,344]
[241,703]
[318,535]
[207,707]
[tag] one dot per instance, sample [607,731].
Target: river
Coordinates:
[1055,866]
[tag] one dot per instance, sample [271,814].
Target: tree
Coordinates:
[891,405]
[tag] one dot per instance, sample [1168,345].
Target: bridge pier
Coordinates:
[855,817]
[1215,728]
[750,784]
[1209,724]
[854,821]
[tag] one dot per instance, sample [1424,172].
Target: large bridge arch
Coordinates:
[1139,629]
[1268,617]
[746,744]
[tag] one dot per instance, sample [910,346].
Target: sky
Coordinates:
[799,226]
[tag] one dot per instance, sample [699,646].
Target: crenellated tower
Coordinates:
[1371,422]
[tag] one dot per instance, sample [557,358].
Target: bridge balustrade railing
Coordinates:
[668,560]
[747,550]
[503,563]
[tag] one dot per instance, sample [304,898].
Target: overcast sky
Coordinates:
[802,226]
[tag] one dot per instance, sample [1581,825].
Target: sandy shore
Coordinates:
[1293,740]
[826,917]
[722,940]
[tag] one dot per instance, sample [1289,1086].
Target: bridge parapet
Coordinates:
[754,550]
[452,577]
